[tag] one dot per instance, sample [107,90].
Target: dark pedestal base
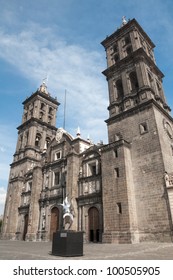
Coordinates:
[67,244]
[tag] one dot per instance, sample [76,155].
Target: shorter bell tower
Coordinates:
[38,124]
[36,131]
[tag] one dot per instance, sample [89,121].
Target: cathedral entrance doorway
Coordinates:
[93,223]
[25,226]
[54,222]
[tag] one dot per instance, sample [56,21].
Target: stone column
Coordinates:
[32,136]
[34,213]
[73,166]
[125,83]
[144,73]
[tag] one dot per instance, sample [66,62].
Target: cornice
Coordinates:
[138,108]
[44,95]
[34,122]
[116,144]
[136,56]
[131,25]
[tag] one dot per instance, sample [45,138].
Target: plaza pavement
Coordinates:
[21,250]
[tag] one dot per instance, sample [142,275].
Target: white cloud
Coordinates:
[2,149]
[8,134]
[2,195]
[4,171]
[36,51]
[2,199]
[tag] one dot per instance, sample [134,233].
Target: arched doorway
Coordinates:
[93,225]
[25,226]
[54,222]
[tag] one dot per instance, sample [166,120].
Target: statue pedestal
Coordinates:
[67,243]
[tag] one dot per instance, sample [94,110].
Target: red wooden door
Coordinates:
[54,223]
[94,230]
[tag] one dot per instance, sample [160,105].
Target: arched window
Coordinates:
[134,81]
[150,78]
[37,140]
[127,39]
[129,50]
[151,81]
[41,116]
[47,142]
[119,87]
[42,106]
[159,89]
[50,110]
[20,141]
[116,57]
[49,120]
[31,112]
[115,48]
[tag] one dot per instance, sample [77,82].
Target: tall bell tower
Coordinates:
[140,133]
[132,74]
[36,131]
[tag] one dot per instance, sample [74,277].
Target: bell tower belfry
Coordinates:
[132,74]
[38,124]
[137,207]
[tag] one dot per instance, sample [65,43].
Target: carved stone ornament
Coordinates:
[59,134]
[168,129]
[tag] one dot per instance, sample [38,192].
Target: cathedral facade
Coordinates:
[121,192]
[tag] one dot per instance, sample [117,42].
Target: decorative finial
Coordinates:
[45,80]
[43,87]
[124,21]
[78,132]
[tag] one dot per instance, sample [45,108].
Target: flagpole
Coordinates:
[64,109]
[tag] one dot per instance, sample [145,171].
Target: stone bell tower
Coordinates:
[140,132]
[38,128]
[38,124]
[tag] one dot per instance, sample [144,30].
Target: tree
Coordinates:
[0,225]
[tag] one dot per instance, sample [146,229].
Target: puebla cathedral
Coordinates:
[121,192]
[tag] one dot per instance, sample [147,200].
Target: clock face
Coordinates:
[59,135]
[168,129]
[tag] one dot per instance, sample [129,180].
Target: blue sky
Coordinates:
[61,39]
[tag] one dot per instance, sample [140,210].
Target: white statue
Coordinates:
[67,213]
[124,21]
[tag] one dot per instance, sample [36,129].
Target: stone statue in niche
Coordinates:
[43,220]
[43,223]
[47,180]
[166,177]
